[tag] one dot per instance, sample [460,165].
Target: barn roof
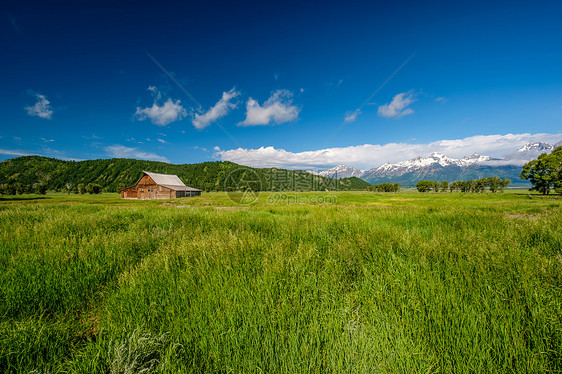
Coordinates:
[166,180]
[170,181]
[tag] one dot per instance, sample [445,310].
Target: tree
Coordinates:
[93,188]
[81,188]
[436,186]
[9,189]
[455,186]
[69,187]
[557,156]
[544,172]
[444,186]
[20,188]
[425,185]
[480,185]
[41,189]
[385,187]
[558,184]
[494,183]
[503,184]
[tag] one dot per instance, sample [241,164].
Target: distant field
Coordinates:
[294,283]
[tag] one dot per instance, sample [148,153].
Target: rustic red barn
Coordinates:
[158,186]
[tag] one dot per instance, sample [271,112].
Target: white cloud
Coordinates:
[12,152]
[351,117]
[93,137]
[441,99]
[46,152]
[277,109]
[398,107]
[219,110]
[373,155]
[155,93]
[42,108]
[45,140]
[162,141]
[161,115]
[216,148]
[121,151]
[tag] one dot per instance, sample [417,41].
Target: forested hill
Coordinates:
[116,173]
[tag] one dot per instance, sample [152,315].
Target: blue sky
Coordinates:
[278,83]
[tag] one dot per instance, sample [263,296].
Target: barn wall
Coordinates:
[130,193]
[147,189]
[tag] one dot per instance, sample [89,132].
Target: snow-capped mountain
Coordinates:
[536,147]
[531,151]
[438,166]
[340,171]
[417,163]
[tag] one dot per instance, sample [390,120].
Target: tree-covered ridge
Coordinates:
[117,173]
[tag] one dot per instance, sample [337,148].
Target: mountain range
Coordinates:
[438,166]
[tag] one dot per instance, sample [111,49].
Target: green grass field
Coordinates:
[361,283]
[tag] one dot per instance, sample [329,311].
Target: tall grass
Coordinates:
[375,283]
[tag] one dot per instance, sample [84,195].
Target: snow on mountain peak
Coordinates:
[538,147]
[340,171]
[433,159]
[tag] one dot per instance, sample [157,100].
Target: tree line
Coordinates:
[494,184]
[545,173]
[384,187]
[41,188]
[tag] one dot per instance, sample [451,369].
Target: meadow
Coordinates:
[328,282]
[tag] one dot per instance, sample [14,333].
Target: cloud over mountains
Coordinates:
[372,155]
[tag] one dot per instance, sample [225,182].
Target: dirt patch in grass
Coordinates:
[523,216]
[232,207]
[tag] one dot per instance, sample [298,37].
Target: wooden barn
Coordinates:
[158,186]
